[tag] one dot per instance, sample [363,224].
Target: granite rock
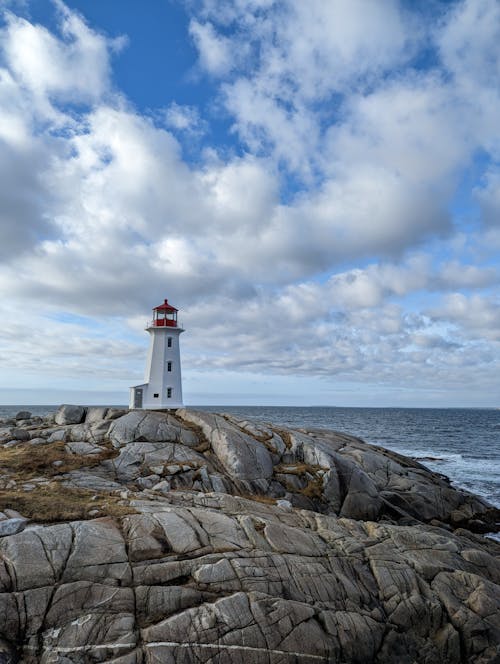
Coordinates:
[18,433]
[208,558]
[242,455]
[67,414]
[139,425]
[23,415]
[12,526]
[192,577]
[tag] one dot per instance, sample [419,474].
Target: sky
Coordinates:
[314,185]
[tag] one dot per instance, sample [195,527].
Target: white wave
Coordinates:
[480,476]
[493,536]
[427,455]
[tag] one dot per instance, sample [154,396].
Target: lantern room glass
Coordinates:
[165,318]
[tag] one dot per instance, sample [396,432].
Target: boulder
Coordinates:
[23,415]
[17,433]
[95,414]
[58,435]
[67,414]
[149,426]
[38,441]
[92,432]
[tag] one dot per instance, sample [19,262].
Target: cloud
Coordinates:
[74,67]
[468,42]
[54,347]
[488,196]
[183,118]
[315,47]
[24,196]
[300,60]
[380,146]
[477,316]
[38,70]
[457,275]
[321,241]
[214,50]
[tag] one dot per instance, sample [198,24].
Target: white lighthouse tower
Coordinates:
[162,387]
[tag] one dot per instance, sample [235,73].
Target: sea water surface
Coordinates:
[462,443]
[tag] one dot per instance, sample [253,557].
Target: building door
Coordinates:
[138,397]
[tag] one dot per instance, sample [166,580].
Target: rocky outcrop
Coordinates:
[193,537]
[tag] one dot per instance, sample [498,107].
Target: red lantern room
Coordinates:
[165,315]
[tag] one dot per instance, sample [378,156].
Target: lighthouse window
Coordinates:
[169,342]
[169,392]
[156,395]
[169,366]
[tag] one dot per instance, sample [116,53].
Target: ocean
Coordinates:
[462,443]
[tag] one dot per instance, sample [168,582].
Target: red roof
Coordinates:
[165,307]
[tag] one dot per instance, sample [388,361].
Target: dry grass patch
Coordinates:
[285,436]
[298,468]
[203,446]
[203,442]
[55,503]
[24,461]
[314,489]
[259,498]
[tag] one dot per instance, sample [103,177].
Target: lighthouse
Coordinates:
[162,387]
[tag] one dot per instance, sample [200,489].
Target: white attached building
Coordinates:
[162,387]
